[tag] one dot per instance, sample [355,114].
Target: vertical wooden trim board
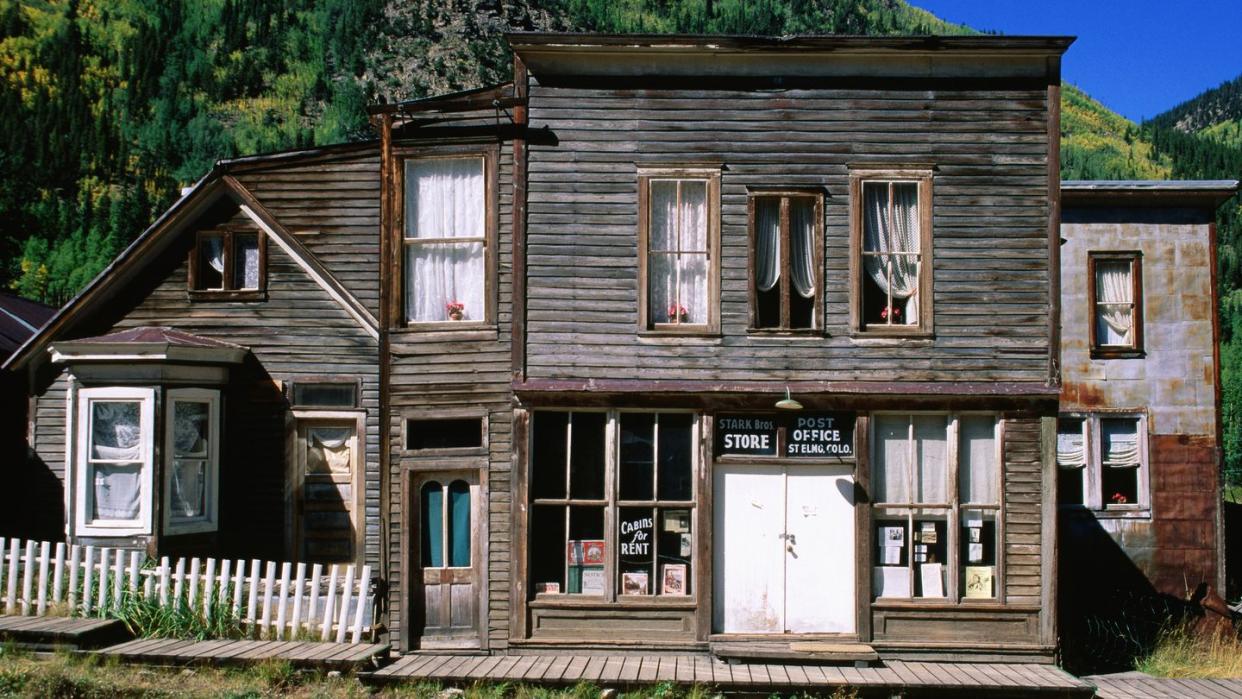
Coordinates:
[518,507]
[385,353]
[520,117]
[1220,436]
[1054,221]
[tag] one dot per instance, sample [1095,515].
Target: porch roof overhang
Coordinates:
[1141,193]
[146,345]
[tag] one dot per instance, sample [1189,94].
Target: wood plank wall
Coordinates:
[298,331]
[990,235]
[445,370]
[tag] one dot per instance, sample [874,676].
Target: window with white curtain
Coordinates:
[445,239]
[786,237]
[114,460]
[679,235]
[192,460]
[936,488]
[1116,302]
[228,262]
[891,242]
[1102,461]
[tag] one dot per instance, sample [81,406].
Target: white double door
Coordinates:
[783,549]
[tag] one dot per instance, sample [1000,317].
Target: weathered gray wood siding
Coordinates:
[989,148]
[297,331]
[447,370]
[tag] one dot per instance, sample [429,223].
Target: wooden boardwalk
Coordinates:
[1136,685]
[976,679]
[325,656]
[48,632]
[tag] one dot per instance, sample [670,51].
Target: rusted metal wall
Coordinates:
[1174,547]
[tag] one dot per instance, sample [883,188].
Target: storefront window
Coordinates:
[936,539]
[612,523]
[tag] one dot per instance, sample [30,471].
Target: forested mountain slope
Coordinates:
[109,107]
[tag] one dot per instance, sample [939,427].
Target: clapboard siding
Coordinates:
[990,223]
[1024,506]
[446,370]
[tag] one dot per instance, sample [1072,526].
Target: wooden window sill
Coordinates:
[457,331]
[1103,353]
[932,604]
[880,331]
[562,600]
[223,295]
[787,333]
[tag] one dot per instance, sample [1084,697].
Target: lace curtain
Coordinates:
[892,470]
[978,472]
[896,275]
[1071,449]
[1119,443]
[116,437]
[444,198]
[191,423]
[931,446]
[678,251]
[246,264]
[767,243]
[329,450]
[801,243]
[1114,308]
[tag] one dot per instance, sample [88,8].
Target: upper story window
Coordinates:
[229,263]
[446,239]
[786,257]
[937,491]
[679,232]
[1116,291]
[1102,461]
[891,243]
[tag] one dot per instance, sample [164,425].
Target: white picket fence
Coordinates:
[271,599]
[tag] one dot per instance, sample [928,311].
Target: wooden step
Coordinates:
[819,652]
[52,632]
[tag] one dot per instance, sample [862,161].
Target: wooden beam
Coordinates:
[518,347]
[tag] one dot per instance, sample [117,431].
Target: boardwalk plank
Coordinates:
[518,671]
[797,675]
[483,669]
[683,671]
[504,669]
[447,668]
[618,669]
[540,666]
[666,670]
[778,675]
[722,673]
[417,665]
[648,668]
[594,668]
[573,673]
[558,668]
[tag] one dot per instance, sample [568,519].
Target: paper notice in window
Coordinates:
[931,575]
[892,555]
[975,553]
[890,581]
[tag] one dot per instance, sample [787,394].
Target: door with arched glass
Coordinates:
[445,553]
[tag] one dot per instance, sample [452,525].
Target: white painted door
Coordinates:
[749,586]
[819,558]
[784,549]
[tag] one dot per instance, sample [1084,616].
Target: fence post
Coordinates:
[134,565]
[58,573]
[281,606]
[253,601]
[28,577]
[10,604]
[222,595]
[178,582]
[101,594]
[45,552]
[164,581]
[192,602]
[316,580]
[75,553]
[364,588]
[298,591]
[88,578]
[118,579]
[239,578]
[209,586]
[346,591]
[329,612]
[269,581]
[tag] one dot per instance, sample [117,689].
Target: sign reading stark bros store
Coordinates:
[810,435]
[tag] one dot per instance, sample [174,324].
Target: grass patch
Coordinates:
[1180,653]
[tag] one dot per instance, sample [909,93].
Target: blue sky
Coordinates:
[1139,57]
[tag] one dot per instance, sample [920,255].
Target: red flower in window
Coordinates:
[1119,499]
[678,314]
[884,313]
[456,310]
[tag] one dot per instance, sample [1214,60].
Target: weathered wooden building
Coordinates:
[1139,438]
[730,345]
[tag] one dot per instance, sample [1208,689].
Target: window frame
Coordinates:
[228,292]
[1135,349]
[408,416]
[922,176]
[612,505]
[951,511]
[489,155]
[85,397]
[1093,477]
[711,177]
[817,315]
[209,521]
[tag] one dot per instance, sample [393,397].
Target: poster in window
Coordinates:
[979,582]
[931,575]
[593,580]
[893,536]
[673,579]
[588,552]
[634,583]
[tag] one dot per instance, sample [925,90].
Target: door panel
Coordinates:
[819,563]
[749,553]
[445,559]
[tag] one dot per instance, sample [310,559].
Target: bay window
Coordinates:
[786,256]
[679,233]
[891,261]
[937,503]
[612,523]
[446,239]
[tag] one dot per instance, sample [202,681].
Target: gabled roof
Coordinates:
[19,319]
[195,201]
